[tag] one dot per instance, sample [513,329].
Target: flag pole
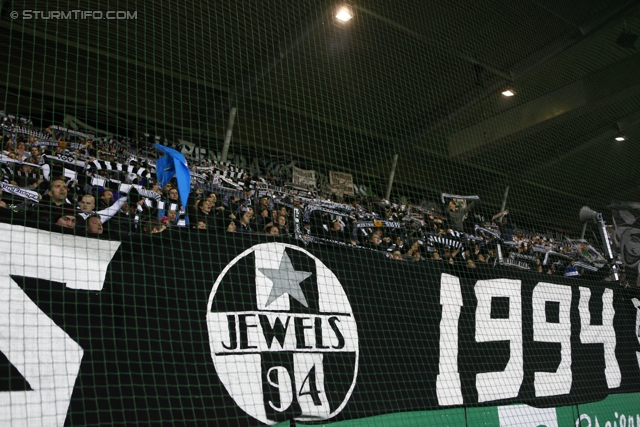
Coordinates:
[391,176]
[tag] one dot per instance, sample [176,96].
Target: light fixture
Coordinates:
[344,14]
[508,92]
[620,138]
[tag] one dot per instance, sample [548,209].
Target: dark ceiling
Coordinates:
[417,78]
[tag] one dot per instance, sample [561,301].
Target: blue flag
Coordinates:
[173,164]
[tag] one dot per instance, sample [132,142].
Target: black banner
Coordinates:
[245,330]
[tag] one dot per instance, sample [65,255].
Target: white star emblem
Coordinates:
[286,280]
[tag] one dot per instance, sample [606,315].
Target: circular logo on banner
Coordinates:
[283,337]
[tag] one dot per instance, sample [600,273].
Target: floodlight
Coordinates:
[344,14]
[508,92]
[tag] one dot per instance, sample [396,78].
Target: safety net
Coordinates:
[310,212]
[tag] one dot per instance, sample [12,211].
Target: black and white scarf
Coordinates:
[111,166]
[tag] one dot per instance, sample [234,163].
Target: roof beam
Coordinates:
[504,74]
[570,101]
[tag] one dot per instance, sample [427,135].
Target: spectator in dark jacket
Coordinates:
[456,215]
[245,223]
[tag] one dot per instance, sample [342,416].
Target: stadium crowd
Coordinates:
[71,181]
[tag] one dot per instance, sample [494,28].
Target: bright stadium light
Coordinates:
[508,92]
[620,138]
[344,14]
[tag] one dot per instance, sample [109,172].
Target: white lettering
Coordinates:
[604,334]
[448,386]
[309,378]
[559,382]
[636,304]
[331,335]
[278,377]
[505,384]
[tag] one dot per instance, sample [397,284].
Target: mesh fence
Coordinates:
[371,213]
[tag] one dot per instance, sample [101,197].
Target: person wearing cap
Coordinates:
[64,217]
[66,221]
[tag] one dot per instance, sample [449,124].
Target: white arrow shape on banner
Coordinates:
[45,356]
[38,348]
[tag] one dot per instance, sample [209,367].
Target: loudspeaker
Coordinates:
[587,214]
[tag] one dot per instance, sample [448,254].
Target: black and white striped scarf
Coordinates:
[224,169]
[111,166]
[11,168]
